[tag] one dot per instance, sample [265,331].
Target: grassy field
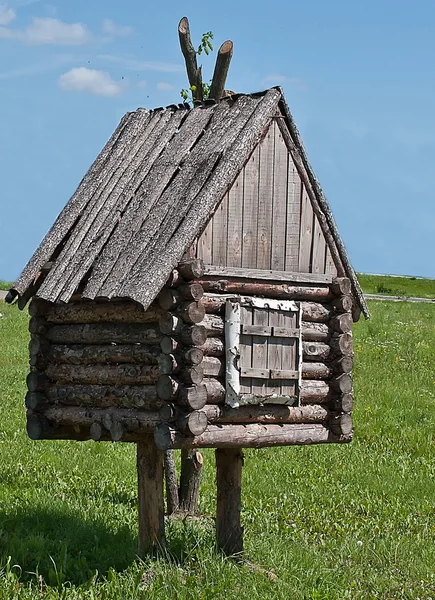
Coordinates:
[397,286]
[331,522]
[5,285]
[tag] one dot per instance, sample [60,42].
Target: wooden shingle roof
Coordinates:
[150,193]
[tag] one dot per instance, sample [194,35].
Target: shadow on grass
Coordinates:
[62,547]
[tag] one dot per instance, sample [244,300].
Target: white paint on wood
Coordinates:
[232,339]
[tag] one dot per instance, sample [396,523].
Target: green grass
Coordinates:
[5,285]
[397,286]
[332,522]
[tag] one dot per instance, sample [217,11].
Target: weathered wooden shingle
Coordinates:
[148,196]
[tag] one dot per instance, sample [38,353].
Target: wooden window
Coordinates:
[263,351]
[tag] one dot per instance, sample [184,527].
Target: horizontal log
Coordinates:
[342,304]
[193,397]
[36,400]
[181,354]
[80,354]
[169,345]
[194,335]
[286,292]
[245,436]
[314,392]
[172,326]
[316,351]
[342,344]
[215,390]
[342,403]
[341,323]
[169,298]
[102,312]
[125,374]
[243,273]
[213,346]
[214,304]
[39,428]
[192,423]
[191,269]
[38,326]
[315,370]
[36,381]
[316,312]
[104,396]
[270,413]
[315,332]
[341,286]
[342,365]
[192,375]
[132,420]
[167,387]
[105,333]
[341,424]
[342,383]
[191,312]
[213,366]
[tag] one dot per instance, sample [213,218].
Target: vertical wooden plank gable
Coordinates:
[329,263]
[294,190]
[265,195]
[250,211]
[235,220]
[306,234]
[279,202]
[205,244]
[220,223]
[319,249]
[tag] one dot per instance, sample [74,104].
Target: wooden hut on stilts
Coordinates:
[194,293]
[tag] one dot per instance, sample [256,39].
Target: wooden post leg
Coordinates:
[229,532]
[190,480]
[150,496]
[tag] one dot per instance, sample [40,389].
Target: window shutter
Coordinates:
[263,351]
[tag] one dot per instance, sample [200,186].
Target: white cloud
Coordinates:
[52,31]
[81,79]
[141,65]
[110,28]
[165,87]
[142,84]
[46,30]
[6,14]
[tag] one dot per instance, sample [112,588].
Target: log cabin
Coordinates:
[194,292]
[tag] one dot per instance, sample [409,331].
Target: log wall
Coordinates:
[111,371]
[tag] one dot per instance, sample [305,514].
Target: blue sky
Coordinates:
[359,79]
